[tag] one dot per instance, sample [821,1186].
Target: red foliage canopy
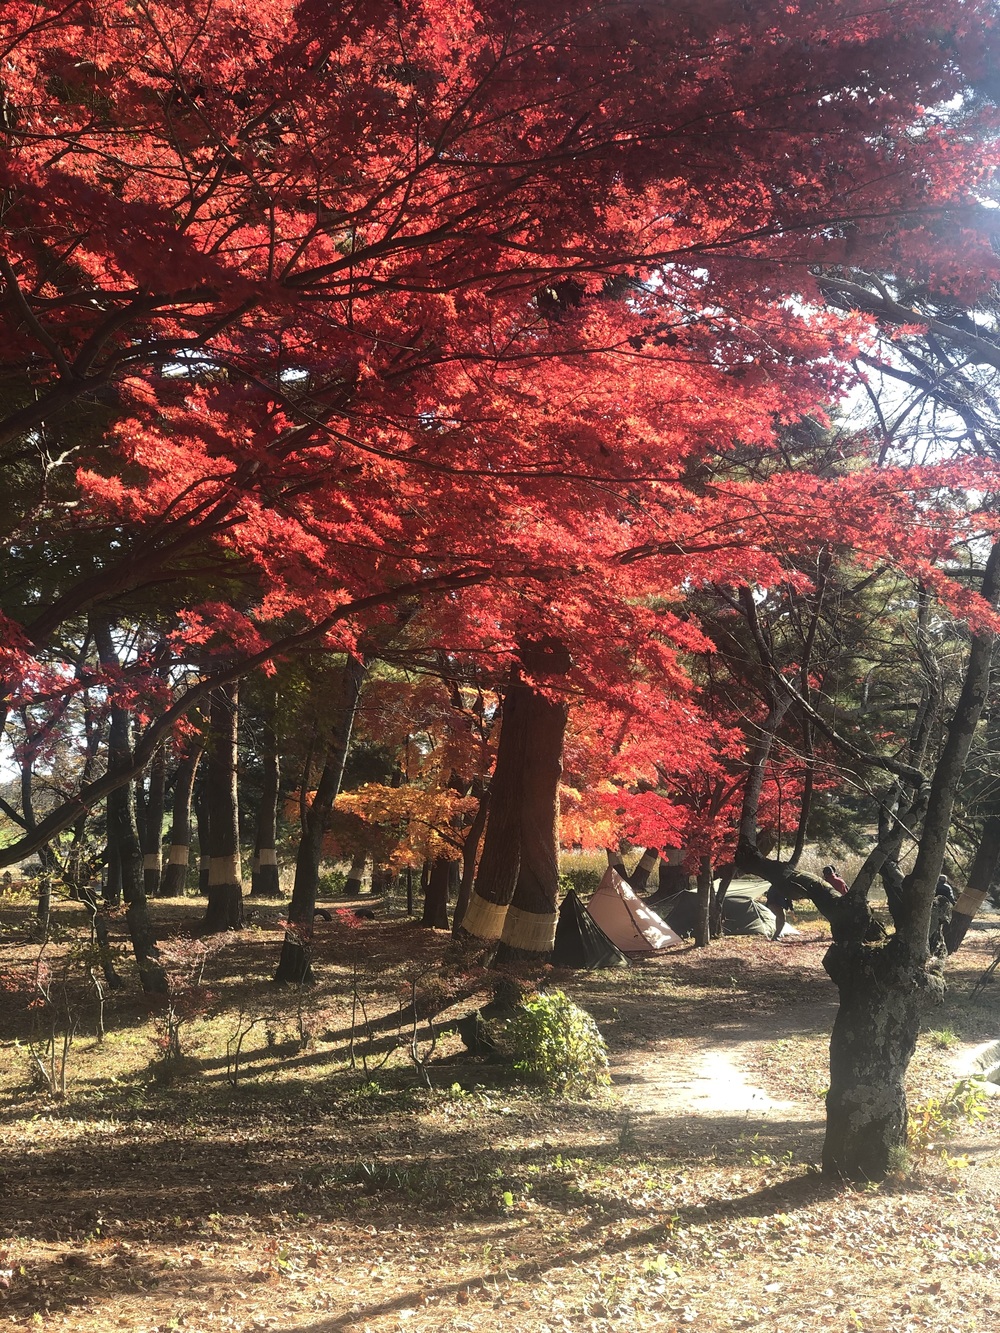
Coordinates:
[308,309]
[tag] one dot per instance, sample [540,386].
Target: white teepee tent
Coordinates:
[626,920]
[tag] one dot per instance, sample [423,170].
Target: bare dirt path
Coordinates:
[307,1201]
[709,1082]
[716,1076]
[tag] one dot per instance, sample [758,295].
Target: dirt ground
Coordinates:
[307,1196]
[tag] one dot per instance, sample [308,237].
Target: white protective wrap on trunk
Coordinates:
[224,870]
[484,919]
[531,931]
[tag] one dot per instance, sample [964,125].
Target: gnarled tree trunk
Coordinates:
[529,927]
[883,989]
[501,856]
[883,993]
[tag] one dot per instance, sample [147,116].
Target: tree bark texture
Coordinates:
[123,834]
[225,872]
[470,860]
[294,965]
[981,872]
[703,929]
[112,870]
[356,875]
[529,927]
[644,868]
[43,906]
[884,991]
[501,856]
[435,913]
[152,822]
[517,887]
[673,876]
[173,882]
[616,861]
[204,819]
[264,883]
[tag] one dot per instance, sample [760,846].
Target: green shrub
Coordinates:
[585,879]
[331,884]
[938,1117]
[556,1043]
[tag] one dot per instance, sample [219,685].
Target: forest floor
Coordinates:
[287,1190]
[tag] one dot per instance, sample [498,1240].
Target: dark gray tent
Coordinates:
[741,914]
[580,942]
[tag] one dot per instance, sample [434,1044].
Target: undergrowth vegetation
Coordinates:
[558,1044]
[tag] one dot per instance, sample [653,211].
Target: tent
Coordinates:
[625,918]
[741,914]
[746,916]
[580,942]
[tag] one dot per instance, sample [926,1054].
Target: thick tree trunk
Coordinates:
[645,866]
[500,862]
[435,913]
[529,927]
[517,886]
[294,965]
[883,993]
[174,879]
[225,872]
[616,861]
[43,906]
[264,883]
[883,989]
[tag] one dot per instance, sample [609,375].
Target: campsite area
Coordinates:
[313,1168]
